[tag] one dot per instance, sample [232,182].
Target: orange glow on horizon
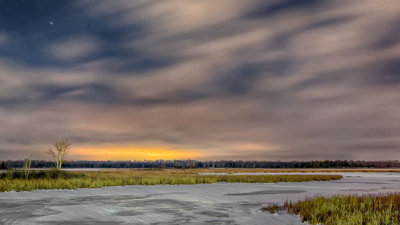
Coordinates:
[131,153]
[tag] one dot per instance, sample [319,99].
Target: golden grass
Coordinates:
[296,170]
[147,177]
[346,210]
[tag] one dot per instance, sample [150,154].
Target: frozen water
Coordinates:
[222,203]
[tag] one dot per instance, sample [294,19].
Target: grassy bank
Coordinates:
[143,177]
[320,170]
[346,210]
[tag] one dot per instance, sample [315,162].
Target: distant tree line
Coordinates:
[205,164]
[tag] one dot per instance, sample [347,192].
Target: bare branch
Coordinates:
[59,151]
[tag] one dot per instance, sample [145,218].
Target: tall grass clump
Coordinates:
[346,210]
[27,167]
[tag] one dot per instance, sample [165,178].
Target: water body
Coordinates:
[222,203]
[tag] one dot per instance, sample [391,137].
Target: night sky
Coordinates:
[243,80]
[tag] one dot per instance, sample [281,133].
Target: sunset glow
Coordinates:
[132,153]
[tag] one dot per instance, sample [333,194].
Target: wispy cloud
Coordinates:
[74,48]
[276,80]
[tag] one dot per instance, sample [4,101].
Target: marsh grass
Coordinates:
[346,210]
[46,174]
[72,180]
[295,170]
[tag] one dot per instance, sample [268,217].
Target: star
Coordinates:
[51,22]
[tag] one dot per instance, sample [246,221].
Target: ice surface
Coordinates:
[222,203]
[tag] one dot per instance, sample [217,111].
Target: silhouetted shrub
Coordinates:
[44,174]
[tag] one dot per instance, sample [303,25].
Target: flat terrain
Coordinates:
[56,179]
[220,203]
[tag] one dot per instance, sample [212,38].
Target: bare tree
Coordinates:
[58,152]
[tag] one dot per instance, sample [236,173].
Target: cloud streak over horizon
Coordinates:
[252,80]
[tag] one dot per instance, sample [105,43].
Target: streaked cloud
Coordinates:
[74,48]
[276,80]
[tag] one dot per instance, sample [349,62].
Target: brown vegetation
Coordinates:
[349,209]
